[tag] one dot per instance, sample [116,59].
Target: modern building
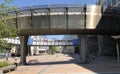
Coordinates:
[97,45]
[70,49]
[110,3]
[41,44]
[115,6]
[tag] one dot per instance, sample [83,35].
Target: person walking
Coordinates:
[15,62]
[7,56]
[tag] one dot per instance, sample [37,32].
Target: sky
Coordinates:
[23,3]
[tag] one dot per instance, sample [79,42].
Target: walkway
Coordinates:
[65,64]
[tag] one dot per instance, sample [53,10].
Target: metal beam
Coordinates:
[66,13]
[49,19]
[16,19]
[85,7]
[31,16]
[21,12]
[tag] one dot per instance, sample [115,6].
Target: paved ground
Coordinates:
[67,64]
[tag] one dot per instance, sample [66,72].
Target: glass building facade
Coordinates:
[111,3]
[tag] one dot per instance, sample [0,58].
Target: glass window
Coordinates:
[118,5]
[107,3]
[113,2]
[118,0]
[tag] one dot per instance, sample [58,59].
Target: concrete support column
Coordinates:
[24,48]
[29,50]
[50,50]
[83,48]
[100,45]
[118,54]
[65,48]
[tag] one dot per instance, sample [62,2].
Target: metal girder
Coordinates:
[16,19]
[31,16]
[67,17]
[49,20]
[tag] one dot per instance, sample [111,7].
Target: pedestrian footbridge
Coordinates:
[32,41]
[68,19]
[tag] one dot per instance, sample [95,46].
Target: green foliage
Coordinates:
[53,49]
[1,51]
[7,22]
[4,63]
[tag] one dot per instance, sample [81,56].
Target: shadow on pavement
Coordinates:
[75,59]
[102,64]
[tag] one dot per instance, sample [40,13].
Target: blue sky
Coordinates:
[55,36]
[23,3]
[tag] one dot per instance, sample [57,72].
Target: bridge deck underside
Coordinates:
[61,31]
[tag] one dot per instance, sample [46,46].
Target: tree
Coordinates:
[53,49]
[7,22]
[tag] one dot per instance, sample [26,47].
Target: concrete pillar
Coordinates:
[50,50]
[100,45]
[29,50]
[24,48]
[65,48]
[117,46]
[82,39]
[32,50]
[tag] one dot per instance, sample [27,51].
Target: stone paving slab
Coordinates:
[33,68]
[67,64]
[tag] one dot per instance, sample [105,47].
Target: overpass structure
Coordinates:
[34,41]
[66,19]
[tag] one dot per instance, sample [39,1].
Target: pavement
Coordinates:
[67,64]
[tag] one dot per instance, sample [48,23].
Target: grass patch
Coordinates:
[4,63]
